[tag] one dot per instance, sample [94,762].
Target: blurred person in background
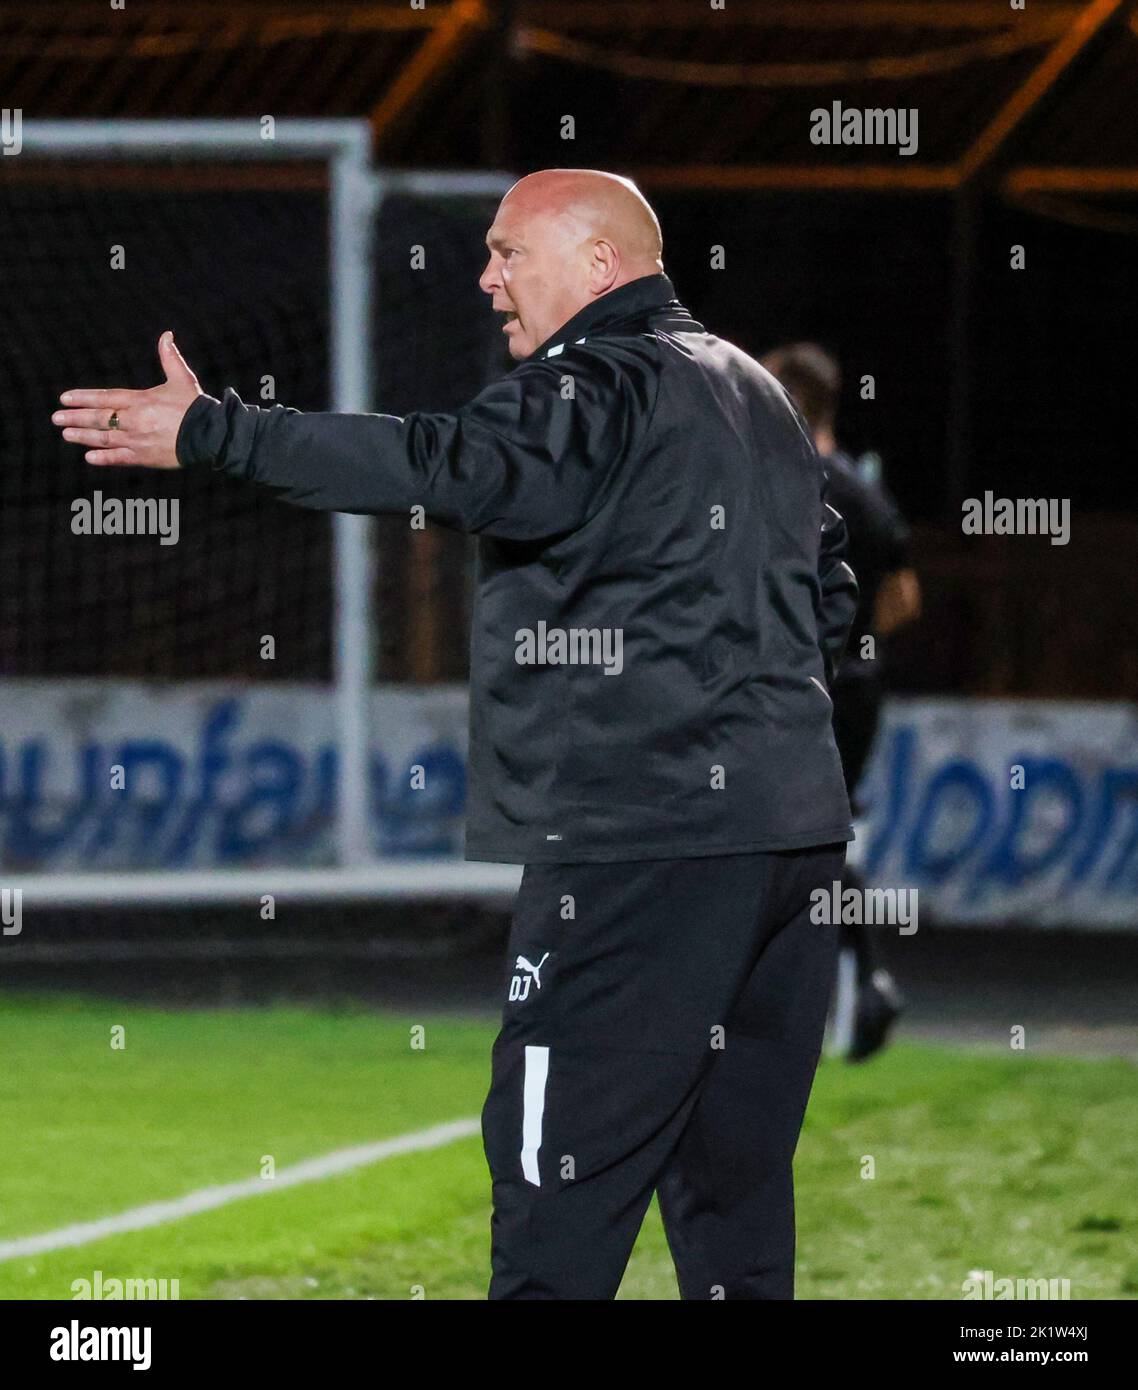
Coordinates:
[889,597]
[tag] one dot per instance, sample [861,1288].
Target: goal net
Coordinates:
[227,696]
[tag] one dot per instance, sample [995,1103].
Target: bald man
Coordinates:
[661,601]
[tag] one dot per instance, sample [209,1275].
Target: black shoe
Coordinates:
[879,1003]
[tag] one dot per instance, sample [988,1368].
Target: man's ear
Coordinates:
[604,266]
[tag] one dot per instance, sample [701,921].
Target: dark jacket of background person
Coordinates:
[635,473]
[878,544]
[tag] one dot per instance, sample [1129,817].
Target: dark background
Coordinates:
[987,378]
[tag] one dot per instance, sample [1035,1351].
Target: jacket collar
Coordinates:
[631,301]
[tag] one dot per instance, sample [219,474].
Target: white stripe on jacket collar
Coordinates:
[560,347]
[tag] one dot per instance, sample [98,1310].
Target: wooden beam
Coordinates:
[866,178]
[1071,180]
[570,14]
[598,55]
[183,30]
[431,61]
[961,326]
[1027,97]
[349,14]
[786,14]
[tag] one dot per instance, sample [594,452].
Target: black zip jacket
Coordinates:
[662,597]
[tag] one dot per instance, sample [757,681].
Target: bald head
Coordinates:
[561,239]
[589,205]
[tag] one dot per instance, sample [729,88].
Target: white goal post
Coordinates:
[356,191]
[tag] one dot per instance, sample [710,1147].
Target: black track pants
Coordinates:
[662,1025]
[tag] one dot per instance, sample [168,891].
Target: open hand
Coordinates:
[134,429]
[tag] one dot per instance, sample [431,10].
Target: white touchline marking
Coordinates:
[208,1198]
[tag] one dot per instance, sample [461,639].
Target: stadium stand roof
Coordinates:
[697,97]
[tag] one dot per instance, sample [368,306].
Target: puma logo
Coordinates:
[519,984]
[535,970]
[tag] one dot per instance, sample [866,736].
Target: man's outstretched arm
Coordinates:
[521,461]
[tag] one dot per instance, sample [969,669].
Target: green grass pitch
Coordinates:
[1017,1164]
